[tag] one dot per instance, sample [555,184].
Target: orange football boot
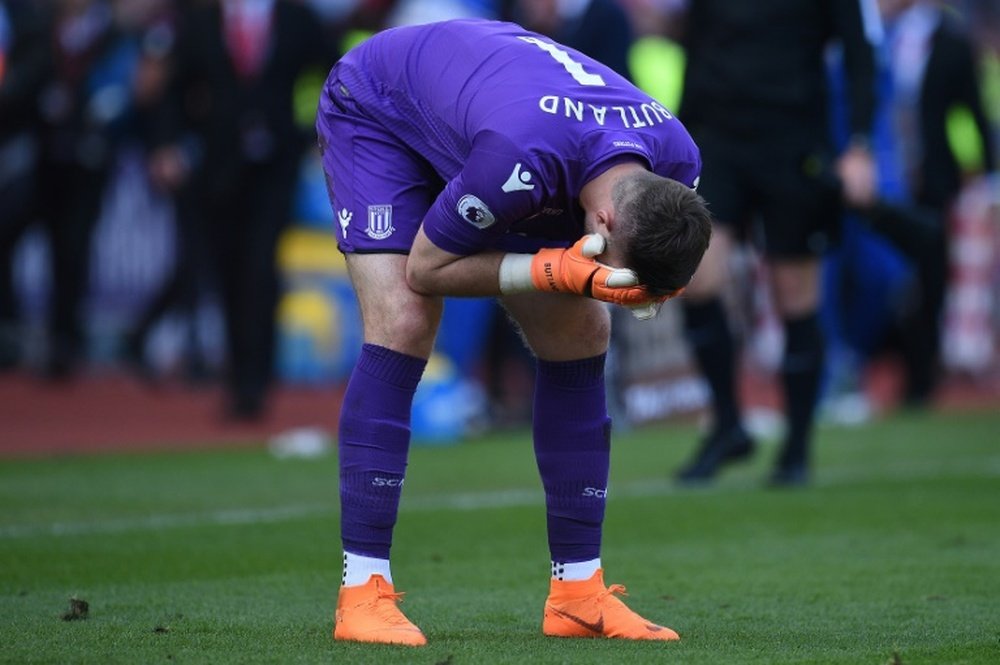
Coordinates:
[588,609]
[368,613]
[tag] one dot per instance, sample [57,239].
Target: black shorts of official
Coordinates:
[779,193]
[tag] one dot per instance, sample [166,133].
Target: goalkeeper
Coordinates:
[474,158]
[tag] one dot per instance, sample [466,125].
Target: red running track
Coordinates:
[116,412]
[113,411]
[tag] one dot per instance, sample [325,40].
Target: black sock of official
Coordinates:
[707,330]
[801,375]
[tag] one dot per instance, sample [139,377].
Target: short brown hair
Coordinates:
[666,229]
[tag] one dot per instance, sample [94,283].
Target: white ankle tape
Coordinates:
[358,568]
[575,571]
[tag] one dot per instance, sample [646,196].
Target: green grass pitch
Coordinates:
[892,556]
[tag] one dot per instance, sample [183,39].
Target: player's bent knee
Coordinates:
[598,337]
[409,327]
[571,333]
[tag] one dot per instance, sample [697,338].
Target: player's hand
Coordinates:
[575,270]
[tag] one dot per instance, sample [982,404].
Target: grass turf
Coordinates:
[892,556]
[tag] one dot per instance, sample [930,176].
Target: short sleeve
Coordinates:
[498,186]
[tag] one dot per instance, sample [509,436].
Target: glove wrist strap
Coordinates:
[515,274]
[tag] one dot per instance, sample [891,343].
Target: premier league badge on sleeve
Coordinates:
[379,222]
[475,212]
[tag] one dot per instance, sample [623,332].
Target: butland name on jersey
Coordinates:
[631,117]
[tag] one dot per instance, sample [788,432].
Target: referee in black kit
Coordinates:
[755,101]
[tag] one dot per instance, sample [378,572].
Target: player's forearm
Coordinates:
[434,272]
[469,276]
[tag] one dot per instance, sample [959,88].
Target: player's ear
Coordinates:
[605,219]
[605,224]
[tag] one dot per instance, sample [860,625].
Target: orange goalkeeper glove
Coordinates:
[572,270]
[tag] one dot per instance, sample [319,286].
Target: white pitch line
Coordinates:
[166,521]
[910,470]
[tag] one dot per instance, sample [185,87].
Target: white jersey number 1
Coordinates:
[574,68]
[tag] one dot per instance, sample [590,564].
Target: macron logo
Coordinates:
[519,181]
[344,218]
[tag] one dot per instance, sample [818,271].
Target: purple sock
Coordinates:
[374,442]
[572,433]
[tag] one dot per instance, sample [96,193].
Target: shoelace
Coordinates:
[613,589]
[388,611]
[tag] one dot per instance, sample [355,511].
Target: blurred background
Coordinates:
[168,264]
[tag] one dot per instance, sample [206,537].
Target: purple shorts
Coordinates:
[379,188]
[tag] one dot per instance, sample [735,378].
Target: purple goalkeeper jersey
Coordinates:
[513,123]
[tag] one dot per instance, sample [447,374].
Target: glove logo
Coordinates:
[519,181]
[475,212]
[550,277]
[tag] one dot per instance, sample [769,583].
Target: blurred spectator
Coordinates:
[180,293]
[754,100]
[936,105]
[25,62]
[236,63]
[81,110]
[657,59]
